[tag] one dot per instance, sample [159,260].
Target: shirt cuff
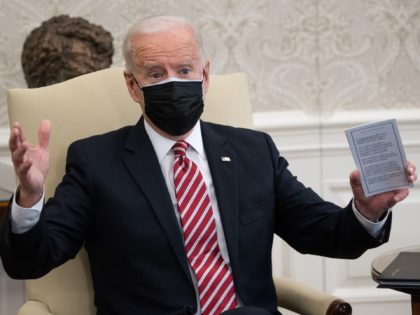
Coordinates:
[23,219]
[373,228]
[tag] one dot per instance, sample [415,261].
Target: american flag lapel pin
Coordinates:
[225,159]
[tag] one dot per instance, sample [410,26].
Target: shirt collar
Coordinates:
[164,145]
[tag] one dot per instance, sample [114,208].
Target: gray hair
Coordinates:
[156,24]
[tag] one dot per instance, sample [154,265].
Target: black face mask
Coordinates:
[174,106]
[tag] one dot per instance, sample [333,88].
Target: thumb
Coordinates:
[356,185]
[355,178]
[44,133]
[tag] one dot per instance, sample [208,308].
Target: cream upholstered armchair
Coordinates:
[99,102]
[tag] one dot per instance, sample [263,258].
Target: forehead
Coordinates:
[175,46]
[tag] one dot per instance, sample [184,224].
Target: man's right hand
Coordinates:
[31,163]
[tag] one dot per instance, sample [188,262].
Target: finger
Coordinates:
[356,186]
[18,126]
[400,195]
[411,172]
[412,178]
[18,156]
[23,169]
[355,178]
[16,137]
[14,140]
[410,168]
[44,133]
[410,163]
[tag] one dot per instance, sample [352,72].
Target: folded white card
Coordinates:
[379,155]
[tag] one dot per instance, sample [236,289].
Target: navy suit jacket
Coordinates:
[114,201]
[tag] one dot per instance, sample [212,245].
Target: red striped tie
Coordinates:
[215,282]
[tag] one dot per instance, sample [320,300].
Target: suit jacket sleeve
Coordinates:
[314,226]
[61,229]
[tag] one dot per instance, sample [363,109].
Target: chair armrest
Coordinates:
[34,308]
[299,298]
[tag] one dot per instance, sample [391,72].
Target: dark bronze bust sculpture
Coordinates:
[65,47]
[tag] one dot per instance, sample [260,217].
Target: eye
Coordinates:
[155,75]
[185,71]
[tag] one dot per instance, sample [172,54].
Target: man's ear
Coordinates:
[132,87]
[206,76]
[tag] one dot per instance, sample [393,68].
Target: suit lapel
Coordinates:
[143,165]
[223,161]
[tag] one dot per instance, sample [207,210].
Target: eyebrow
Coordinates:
[151,65]
[185,62]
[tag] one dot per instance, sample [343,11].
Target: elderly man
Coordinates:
[177,215]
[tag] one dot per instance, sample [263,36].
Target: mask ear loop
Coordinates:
[135,80]
[202,76]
